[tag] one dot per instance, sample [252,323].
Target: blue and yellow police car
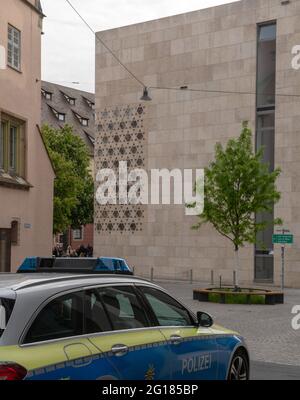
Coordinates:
[92,319]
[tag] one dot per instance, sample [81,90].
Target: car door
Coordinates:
[54,343]
[194,352]
[132,346]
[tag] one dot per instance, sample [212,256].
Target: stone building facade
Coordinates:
[238,54]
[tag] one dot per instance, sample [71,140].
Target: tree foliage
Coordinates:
[238,185]
[73,187]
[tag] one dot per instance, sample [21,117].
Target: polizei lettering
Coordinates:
[196,363]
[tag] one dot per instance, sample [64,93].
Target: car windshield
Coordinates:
[6,308]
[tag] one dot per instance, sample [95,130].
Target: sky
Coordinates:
[68,47]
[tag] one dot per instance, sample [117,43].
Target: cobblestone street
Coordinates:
[267,329]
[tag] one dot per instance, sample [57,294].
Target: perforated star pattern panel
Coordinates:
[120,137]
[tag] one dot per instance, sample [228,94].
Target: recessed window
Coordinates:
[265,137]
[12,145]
[60,116]
[90,103]
[15,228]
[14,48]
[2,127]
[83,121]
[70,100]
[91,139]
[78,234]
[47,95]
[266,65]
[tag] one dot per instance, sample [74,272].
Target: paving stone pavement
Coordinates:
[267,329]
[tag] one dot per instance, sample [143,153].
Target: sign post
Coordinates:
[283,238]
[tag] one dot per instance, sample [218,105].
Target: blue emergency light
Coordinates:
[102,265]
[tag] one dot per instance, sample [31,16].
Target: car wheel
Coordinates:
[239,368]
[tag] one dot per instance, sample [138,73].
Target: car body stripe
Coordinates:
[39,359]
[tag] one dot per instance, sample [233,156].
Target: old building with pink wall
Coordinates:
[26,173]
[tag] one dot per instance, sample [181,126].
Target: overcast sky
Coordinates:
[68,46]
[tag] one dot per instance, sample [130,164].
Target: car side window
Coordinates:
[123,307]
[60,318]
[168,311]
[96,319]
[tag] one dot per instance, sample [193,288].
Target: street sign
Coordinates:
[283,239]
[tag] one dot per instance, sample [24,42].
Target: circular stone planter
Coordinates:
[227,295]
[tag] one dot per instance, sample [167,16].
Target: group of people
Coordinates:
[82,251]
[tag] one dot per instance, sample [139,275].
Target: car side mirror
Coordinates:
[204,319]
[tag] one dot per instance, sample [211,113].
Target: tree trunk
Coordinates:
[237,267]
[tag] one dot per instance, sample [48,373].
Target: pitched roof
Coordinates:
[60,102]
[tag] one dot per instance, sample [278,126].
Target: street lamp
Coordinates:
[146,96]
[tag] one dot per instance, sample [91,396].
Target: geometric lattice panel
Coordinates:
[120,136]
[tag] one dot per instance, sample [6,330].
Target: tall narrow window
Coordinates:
[13,148]
[2,127]
[14,48]
[265,137]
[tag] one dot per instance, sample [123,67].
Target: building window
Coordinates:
[70,100]
[2,127]
[83,121]
[91,138]
[12,146]
[266,65]
[90,103]
[60,116]
[265,137]
[78,234]
[14,48]
[47,95]
[15,232]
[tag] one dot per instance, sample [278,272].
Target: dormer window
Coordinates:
[83,121]
[91,138]
[47,95]
[90,103]
[70,100]
[60,116]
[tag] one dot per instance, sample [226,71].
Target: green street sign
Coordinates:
[283,239]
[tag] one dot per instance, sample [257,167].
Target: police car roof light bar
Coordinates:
[102,265]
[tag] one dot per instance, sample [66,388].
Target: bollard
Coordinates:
[220,281]
[212,278]
[152,274]
[191,277]
[133,270]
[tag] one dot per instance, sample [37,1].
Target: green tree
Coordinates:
[239,185]
[73,187]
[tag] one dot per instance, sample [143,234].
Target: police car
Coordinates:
[91,319]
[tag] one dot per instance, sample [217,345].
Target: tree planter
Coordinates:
[245,296]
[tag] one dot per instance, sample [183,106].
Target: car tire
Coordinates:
[239,367]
